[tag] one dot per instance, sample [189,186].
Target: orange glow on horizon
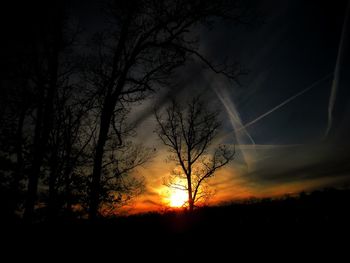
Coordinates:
[229,184]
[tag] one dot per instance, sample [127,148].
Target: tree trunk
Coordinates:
[40,143]
[44,117]
[189,180]
[67,173]
[20,162]
[190,198]
[52,204]
[68,197]
[32,188]
[54,171]
[34,171]
[106,117]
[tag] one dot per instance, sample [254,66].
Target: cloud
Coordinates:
[338,64]
[301,163]
[315,84]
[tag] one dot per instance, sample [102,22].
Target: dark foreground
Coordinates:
[325,208]
[322,217]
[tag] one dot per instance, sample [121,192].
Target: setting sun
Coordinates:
[178,198]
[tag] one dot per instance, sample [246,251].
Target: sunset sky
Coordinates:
[283,101]
[288,117]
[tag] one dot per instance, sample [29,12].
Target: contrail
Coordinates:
[236,122]
[285,102]
[233,114]
[335,83]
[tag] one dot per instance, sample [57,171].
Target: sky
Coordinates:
[290,116]
[278,117]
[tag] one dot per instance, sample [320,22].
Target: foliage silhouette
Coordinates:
[189,131]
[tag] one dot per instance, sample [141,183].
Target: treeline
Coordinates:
[66,145]
[321,210]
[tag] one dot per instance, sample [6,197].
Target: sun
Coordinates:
[178,198]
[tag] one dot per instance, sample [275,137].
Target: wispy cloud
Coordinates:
[242,136]
[284,102]
[335,83]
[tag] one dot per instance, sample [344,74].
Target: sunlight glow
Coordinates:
[178,198]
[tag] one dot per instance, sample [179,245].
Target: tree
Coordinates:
[122,158]
[147,42]
[47,51]
[33,74]
[118,185]
[40,68]
[16,103]
[68,150]
[189,134]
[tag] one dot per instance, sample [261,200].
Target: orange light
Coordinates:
[178,198]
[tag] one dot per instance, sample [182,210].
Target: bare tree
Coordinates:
[13,140]
[40,69]
[119,184]
[189,133]
[68,149]
[34,72]
[48,48]
[147,41]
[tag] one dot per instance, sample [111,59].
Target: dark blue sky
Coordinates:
[295,47]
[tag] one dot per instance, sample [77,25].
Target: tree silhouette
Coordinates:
[42,109]
[145,44]
[118,185]
[49,46]
[34,74]
[122,157]
[65,142]
[189,133]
